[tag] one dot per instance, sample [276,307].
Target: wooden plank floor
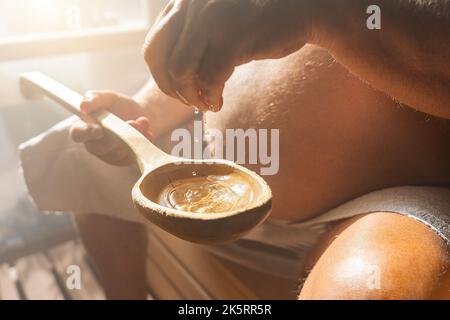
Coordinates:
[43,276]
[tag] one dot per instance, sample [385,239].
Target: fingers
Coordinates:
[105,147]
[142,124]
[160,42]
[82,132]
[187,54]
[98,100]
[186,57]
[97,143]
[115,155]
[165,11]
[92,135]
[217,67]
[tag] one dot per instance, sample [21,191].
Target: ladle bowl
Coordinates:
[158,169]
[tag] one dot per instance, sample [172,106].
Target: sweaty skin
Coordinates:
[194,45]
[339,138]
[378,256]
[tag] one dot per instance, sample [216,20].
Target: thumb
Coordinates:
[98,100]
[142,124]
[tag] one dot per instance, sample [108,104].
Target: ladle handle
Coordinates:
[35,85]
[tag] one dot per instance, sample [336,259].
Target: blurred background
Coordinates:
[85,44]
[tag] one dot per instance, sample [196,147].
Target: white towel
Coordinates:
[62,176]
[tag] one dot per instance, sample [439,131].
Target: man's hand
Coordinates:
[195,45]
[97,141]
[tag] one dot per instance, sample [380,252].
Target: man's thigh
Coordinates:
[379,256]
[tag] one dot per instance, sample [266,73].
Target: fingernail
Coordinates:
[201,96]
[143,121]
[215,108]
[83,106]
[212,106]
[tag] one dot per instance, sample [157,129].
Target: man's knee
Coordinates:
[380,256]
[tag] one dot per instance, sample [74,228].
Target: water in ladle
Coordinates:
[207,194]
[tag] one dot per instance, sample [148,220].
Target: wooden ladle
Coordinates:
[158,169]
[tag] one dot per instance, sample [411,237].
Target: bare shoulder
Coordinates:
[379,256]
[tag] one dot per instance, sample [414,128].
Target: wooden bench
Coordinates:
[179,270]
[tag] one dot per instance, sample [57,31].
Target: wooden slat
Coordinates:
[265,286]
[171,267]
[206,269]
[36,276]
[8,290]
[72,253]
[37,239]
[160,285]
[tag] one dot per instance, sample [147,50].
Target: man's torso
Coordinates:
[339,138]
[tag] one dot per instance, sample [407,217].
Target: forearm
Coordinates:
[163,112]
[407,59]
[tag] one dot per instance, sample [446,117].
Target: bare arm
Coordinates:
[195,45]
[163,112]
[408,58]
